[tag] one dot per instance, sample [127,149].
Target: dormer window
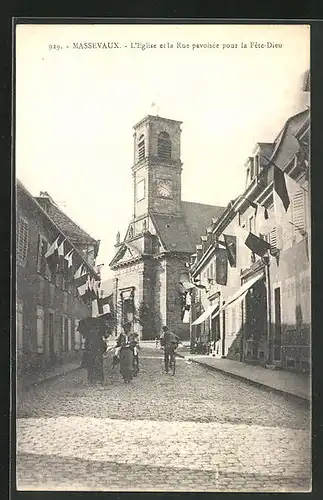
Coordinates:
[141,148]
[164,149]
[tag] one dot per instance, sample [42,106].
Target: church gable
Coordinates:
[126,253]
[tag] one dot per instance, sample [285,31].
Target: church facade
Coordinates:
[161,236]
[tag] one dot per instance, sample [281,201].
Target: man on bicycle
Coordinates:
[169,341]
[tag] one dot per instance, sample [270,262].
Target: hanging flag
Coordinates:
[95,308]
[186,317]
[93,289]
[68,265]
[51,256]
[221,266]
[280,187]
[84,287]
[61,256]
[255,244]
[284,189]
[80,276]
[231,248]
[103,305]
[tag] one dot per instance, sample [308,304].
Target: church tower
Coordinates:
[157,166]
[163,232]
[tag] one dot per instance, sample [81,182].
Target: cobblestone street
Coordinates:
[199,430]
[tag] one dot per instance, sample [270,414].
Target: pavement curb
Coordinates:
[252,382]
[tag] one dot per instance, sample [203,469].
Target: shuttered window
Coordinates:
[298,213]
[141,148]
[22,243]
[164,146]
[40,329]
[273,237]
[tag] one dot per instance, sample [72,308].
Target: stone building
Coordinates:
[48,306]
[161,235]
[258,309]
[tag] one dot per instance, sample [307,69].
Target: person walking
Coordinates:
[96,348]
[169,341]
[126,355]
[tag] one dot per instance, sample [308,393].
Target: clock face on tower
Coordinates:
[164,188]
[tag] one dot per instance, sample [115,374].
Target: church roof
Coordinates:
[180,233]
[199,217]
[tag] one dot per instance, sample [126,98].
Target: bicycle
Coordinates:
[171,362]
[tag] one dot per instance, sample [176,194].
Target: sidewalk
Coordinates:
[57,371]
[51,374]
[280,381]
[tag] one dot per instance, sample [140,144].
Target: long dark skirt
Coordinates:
[95,366]
[126,363]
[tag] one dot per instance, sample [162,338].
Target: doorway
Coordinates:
[277,328]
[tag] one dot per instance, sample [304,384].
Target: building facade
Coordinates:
[48,306]
[161,236]
[256,307]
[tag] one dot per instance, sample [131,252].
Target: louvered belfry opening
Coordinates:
[164,146]
[141,148]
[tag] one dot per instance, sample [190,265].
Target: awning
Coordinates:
[206,314]
[243,290]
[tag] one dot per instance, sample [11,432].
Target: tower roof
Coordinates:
[156,118]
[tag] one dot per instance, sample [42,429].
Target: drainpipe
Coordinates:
[222,312]
[266,261]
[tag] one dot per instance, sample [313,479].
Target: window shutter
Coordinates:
[298,213]
[22,246]
[273,237]
[141,148]
[40,329]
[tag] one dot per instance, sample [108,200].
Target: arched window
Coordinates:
[141,148]
[164,146]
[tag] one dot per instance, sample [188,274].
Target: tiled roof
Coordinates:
[292,125]
[199,217]
[70,228]
[35,201]
[174,233]
[182,233]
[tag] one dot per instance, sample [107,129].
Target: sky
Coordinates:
[76,108]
